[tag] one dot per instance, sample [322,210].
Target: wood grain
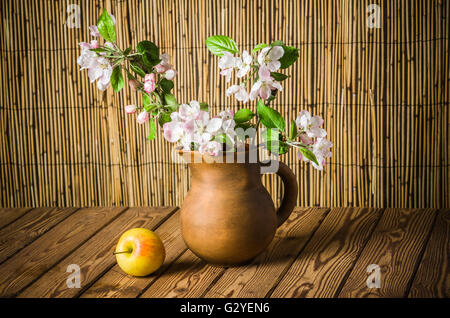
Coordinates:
[257,278]
[9,215]
[28,228]
[31,262]
[330,254]
[396,246]
[95,256]
[188,276]
[115,283]
[432,279]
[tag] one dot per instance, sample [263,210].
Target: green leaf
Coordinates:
[106,28]
[259,47]
[278,76]
[273,143]
[166,85]
[150,53]
[100,50]
[171,102]
[152,134]
[224,139]
[219,44]
[283,148]
[127,51]
[270,118]
[309,155]
[170,99]
[271,138]
[243,115]
[277,43]
[164,118]
[244,126]
[135,68]
[289,57]
[117,81]
[146,100]
[204,106]
[148,48]
[294,130]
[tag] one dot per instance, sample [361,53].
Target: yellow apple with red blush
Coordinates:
[140,252]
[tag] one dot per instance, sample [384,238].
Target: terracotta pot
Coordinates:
[228,217]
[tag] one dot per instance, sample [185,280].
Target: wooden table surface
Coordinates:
[318,252]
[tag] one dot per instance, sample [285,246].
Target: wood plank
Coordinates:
[396,246]
[28,228]
[38,257]
[115,283]
[187,277]
[96,255]
[330,254]
[9,215]
[433,275]
[290,239]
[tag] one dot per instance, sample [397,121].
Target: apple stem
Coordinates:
[122,252]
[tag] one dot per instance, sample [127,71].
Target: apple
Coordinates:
[140,252]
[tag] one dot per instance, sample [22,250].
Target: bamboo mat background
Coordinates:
[383,93]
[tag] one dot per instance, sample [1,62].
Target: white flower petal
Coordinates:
[232,90]
[214,124]
[276,53]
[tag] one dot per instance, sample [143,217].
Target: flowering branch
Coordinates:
[266,60]
[191,126]
[148,72]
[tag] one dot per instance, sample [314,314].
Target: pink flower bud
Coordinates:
[162,67]
[94,31]
[149,82]
[130,109]
[170,74]
[134,85]
[143,117]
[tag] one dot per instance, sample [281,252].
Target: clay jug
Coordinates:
[228,217]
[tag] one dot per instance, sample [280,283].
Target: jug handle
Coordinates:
[290,192]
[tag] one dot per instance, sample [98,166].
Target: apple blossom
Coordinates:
[170,74]
[143,117]
[270,56]
[165,68]
[87,46]
[130,109]
[164,65]
[313,136]
[226,63]
[321,150]
[193,128]
[134,85]
[99,68]
[310,125]
[187,112]
[244,64]
[100,71]
[94,31]
[264,86]
[227,73]
[212,148]
[149,82]
[226,114]
[239,92]
[173,131]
